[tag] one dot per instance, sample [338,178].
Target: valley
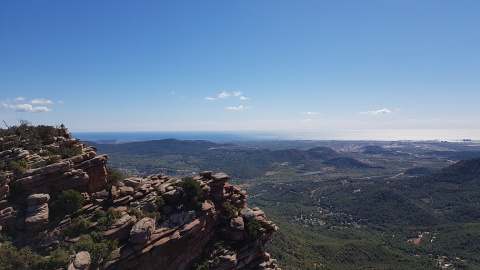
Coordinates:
[341,204]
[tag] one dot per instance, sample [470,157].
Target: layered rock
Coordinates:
[158,223]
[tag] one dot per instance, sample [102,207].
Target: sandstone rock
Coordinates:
[114,193]
[206,174]
[132,182]
[121,228]
[36,217]
[126,190]
[99,195]
[248,214]
[237,223]
[82,261]
[173,195]
[4,191]
[179,219]
[137,195]
[71,182]
[142,231]
[147,203]
[220,177]
[36,199]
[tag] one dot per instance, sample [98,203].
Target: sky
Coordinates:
[346,69]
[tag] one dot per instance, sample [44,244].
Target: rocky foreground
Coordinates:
[155,222]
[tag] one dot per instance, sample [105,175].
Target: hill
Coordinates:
[58,198]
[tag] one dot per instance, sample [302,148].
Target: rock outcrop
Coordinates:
[155,222]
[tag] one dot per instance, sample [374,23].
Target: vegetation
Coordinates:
[18,167]
[254,229]
[105,219]
[27,136]
[96,245]
[114,177]
[69,202]
[78,226]
[193,192]
[228,209]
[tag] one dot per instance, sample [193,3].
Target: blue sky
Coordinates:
[390,69]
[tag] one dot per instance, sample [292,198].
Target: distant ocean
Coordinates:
[380,135]
[123,137]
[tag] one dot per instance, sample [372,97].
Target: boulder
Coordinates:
[37,216]
[173,195]
[142,231]
[121,228]
[248,214]
[220,177]
[206,174]
[82,261]
[36,199]
[237,223]
[127,190]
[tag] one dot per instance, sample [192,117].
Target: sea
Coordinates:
[351,135]
[125,137]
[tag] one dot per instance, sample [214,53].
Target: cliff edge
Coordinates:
[63,206]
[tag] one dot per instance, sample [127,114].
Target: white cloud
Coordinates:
[210,98]
[377,112]
[306,120]
[237,93]
[41,101]
[239,108]
[61,102]
[19,99]
[224,94]
[244,98]
[311,113]
[25,108]
[41,109]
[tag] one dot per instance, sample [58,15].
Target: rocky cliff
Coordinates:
[154,222]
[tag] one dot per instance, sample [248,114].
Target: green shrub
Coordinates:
[70,201]
[114,177]
[46,134]
[159,202]
[228,209]
[98,248]
[18,167]
[192,190]
[136,212]
[78,226]
[13,259]
[53,159]
[254,229]
[59,258]
[105,219]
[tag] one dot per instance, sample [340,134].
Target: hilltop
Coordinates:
[60,205]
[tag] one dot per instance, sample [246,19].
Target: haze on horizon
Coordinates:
[337,69]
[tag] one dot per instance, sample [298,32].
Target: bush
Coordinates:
[98,248]
[159,203]
[228,209]
[105,219]
[114,177]
[254,229]
[53,159]
[59,258]
[70,201]
[192,190]
[13,259]
[18,167]
[46,134]
[78,226]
